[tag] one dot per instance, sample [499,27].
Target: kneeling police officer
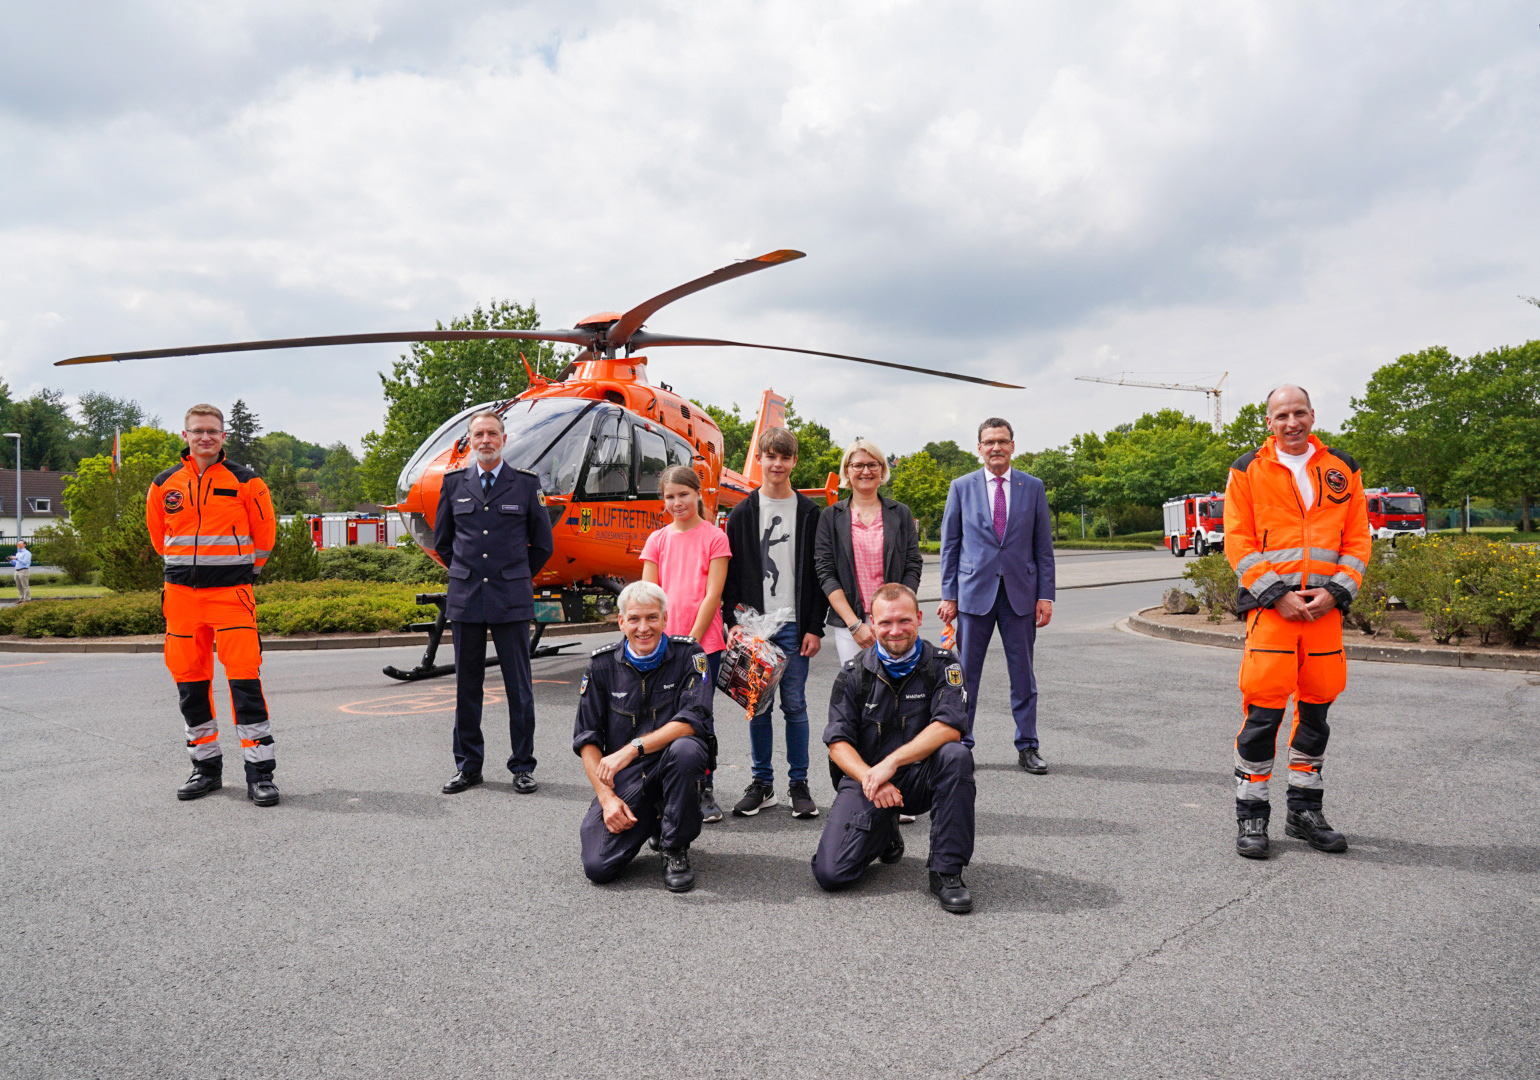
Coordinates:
[643,727]
[899,705]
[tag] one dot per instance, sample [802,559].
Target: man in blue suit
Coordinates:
[493,534]
[997,570]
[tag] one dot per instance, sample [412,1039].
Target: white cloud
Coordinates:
[1031,191]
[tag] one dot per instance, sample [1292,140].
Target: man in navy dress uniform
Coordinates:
[493,534]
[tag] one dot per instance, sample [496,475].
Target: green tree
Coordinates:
[129,561]
[817,453]
[60,545]
[920,484]
[47,432]
[1247,431]
[1410,425]
[1499,391]
[737,430]
[1060,473]
[294,556]
[98,498]
[241,443]
[101,415]
[438,379]
[341,487]
[953,459]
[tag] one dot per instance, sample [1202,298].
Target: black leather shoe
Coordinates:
[677,875]
[460,781]
[262,791]
[953,894]
[523,783]
[1310,826]
[200,784]
[1030,760]
[1251,837]
[895,849]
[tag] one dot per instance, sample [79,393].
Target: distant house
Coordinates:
[42,501]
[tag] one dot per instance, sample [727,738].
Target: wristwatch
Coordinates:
[641,751]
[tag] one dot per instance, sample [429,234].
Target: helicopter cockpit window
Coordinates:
[680,453]
[609,464]
[651,460]
[548,436]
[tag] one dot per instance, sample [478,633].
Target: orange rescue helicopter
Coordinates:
[597,436]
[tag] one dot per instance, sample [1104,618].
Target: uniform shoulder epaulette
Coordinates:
[683,639]
[162,477]
[1348,459]
[453,472]
[946,656]
[529,472]
[602,649]
[1242,463]
[851,664]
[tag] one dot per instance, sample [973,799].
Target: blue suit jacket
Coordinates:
[493,544]
[974,560]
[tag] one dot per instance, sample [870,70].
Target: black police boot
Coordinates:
[677,875]
[1251,838]
[1310,826]
[953,894]
[205,778]
[262,791]
[895,849]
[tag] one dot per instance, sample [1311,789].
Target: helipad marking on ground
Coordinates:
[434,699]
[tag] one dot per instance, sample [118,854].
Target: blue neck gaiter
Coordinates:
[651,660]
[899,667]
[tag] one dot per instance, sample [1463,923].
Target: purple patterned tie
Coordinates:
[1000,507]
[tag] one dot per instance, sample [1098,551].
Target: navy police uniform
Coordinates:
[494,543]
[876,716]
[618,703]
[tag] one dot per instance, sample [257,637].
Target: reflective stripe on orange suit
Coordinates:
[1276,544]
[215,532]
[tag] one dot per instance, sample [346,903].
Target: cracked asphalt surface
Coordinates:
[371,927]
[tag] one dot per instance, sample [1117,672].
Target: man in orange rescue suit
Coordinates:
[1297,533]
[212,521]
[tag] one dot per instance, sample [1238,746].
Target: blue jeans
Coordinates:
[793,693]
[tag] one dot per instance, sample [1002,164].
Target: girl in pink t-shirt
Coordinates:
[688,558]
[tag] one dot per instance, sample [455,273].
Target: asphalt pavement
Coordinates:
[372,927]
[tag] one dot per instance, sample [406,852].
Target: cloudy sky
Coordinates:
[1032,191]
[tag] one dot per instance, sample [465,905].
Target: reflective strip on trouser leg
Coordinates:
[233,614]
[196,700]
[1254,750]
[251,725]
[1307,755]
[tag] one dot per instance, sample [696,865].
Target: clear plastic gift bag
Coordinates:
[752,664]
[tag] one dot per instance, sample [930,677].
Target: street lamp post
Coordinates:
[17,436]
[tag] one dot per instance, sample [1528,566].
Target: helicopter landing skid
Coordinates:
[427,668]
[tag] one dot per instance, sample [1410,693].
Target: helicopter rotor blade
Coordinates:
[571,337]
[631,321]
[644,340]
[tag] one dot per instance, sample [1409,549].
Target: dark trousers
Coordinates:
[512,641]
[662,793]
[857,830]
[1017,635]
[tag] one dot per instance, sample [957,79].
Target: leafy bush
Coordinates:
[61,546]
[294,607]
[101,616]
[1370,610]
[1466,585]
[1215,583]
[407,564]
[129,562]
[294,556]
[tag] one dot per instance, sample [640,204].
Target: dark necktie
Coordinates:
[486,484]
[1000,507]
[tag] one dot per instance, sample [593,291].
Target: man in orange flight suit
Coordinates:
[212,520]
[1297,534]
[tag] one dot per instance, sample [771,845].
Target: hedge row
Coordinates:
[289,607]
[1464,587]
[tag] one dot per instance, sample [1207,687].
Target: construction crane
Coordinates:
[1213,392]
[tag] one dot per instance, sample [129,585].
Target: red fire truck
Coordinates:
[1196,523]
[1396,513]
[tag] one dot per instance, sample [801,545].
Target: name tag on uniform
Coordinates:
[670,686]
[509,508]
[914,697]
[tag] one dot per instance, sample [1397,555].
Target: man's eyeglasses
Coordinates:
[205,433]
[997,442]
